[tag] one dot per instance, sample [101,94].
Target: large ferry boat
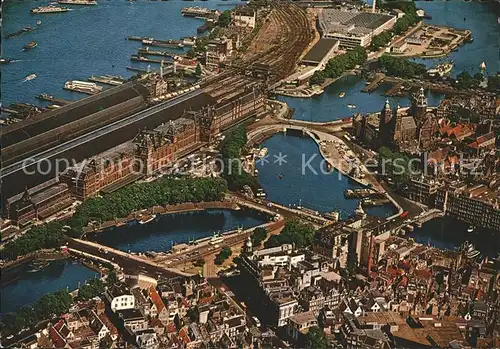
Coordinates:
[77,2]
[89,88]
[440,70]
[48,9]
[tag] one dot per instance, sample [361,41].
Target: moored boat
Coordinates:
[48,9]
[83,87]
[147,219]
[30,45]
[4,60]
[77,2]
[263,152]
[341,94]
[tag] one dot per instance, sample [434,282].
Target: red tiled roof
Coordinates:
[55,336]
[171,328]
[423,273]
[109,325]
[184,335]
[156,299]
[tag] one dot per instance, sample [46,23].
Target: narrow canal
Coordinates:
[166,230]
[29,284]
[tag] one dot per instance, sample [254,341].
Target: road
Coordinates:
[130,264]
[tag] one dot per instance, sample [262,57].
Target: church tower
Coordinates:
[419,105]
[384,136]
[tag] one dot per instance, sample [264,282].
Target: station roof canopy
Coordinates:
[319,51]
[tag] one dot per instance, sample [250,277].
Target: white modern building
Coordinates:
[353,28]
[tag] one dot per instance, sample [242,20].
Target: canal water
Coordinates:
[448,233]
[87,40]
[328,106]
[292,182]
[27,286]
[165,230]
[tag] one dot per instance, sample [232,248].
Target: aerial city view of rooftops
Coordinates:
[195,174]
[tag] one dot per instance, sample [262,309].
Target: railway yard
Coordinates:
[283,38]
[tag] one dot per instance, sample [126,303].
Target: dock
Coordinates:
[140,70]
[397,90]
[107,79]
[374,84]
[49,98]
[139,58]
[146,51]
[157,42]
[79,90]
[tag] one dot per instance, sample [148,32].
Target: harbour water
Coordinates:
[312,187]
[84,41]
[478,16]
[27,286]
[448,233]
[165,230]
[328,106]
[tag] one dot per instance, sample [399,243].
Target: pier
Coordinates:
[107,79]
[139,58]
[49,98]
[157,42]
[374,84]
[136,69]
[147,51]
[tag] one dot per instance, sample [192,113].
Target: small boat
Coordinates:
[38,22]
[341,94]
[470,229]
[262,153]
[147,219]
[4,60]
[281,175]
[30,45]
[30,77]
[36,266]
[351,106]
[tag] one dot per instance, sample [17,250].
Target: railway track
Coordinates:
[287,33]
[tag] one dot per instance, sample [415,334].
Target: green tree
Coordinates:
[198,69]
[317,78]
[224,254]
[93,288]
[402,67]
[494,83]
[224,19]
[295,232]
[48,235]
[380,40]
[259,234]
[232,150]
[315,339]
[467,81]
